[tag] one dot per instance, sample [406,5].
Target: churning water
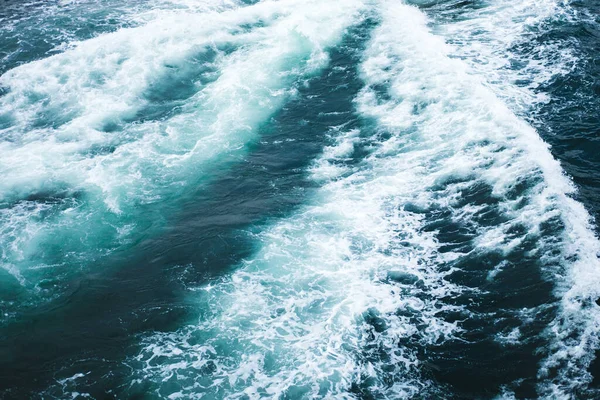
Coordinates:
[298,199]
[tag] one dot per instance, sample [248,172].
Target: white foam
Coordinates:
[101,81]
[356,274]
[577,282]
[263,51]
[294,318]
[491,36]
[459,112]
[489,39]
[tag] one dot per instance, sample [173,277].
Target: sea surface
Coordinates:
[299,199]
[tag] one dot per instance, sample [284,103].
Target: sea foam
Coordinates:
[347,295]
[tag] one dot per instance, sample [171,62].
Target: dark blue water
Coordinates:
[569,123]
[296,199]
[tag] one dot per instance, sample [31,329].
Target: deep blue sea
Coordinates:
[299,199]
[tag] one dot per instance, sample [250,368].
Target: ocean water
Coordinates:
[299,199]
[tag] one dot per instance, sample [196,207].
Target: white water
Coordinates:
[491,40]
[335,289]
[100,160]
[343,293]
[498,41]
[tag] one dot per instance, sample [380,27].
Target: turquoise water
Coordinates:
[298,199]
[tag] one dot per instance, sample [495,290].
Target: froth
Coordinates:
[344,296]
[84,123]
[498,41]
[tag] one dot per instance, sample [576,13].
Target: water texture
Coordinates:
[299,199]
